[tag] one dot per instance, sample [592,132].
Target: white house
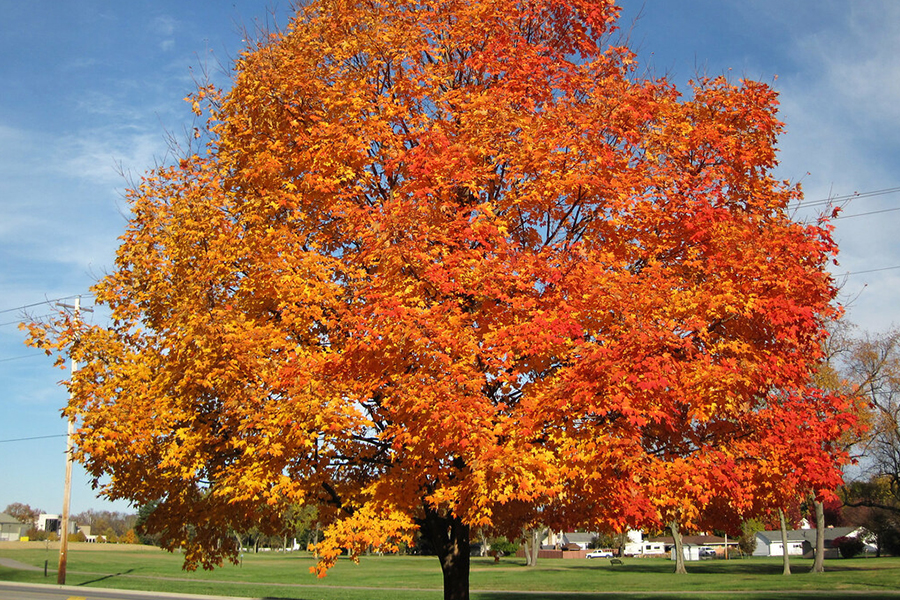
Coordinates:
[801,542]
[52,523]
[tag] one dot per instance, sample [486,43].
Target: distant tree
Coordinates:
[298,522]
[23,512]
[874,365]
[872,504]
[889,539]
[130,537]
[144,515]
[747,540]
[104,520]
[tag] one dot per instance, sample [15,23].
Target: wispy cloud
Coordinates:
[842,109]
[165,27]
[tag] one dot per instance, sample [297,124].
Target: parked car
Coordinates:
[707,552]
[600,554]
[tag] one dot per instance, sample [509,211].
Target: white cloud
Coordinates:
[102,156]
[63,196]
[165,27]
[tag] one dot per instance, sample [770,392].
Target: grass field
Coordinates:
[277,575]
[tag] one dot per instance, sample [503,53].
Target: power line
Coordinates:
[16,322]
[6,310]
[20,357]
[874,212]
[867,271]
[28,439]
[853,196]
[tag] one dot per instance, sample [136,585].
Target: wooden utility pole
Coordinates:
[67,492]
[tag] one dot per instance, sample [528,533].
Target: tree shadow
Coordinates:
[678,595]
[105,577]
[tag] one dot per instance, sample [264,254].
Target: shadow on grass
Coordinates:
[717,567]
[710,567]
[105,577]
[691,595]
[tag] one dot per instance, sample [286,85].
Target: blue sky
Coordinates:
[92,89]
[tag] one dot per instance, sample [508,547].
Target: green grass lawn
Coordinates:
[280,575]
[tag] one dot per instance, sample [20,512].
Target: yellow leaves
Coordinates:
[373,526]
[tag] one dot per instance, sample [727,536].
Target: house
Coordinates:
[801,542]
[85,530]
[11,529]
[52,523]
[568,540]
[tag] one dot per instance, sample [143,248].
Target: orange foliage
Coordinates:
[457,258]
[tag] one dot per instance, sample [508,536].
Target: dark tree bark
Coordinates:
[450,539]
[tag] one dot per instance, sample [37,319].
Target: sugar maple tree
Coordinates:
[449,264]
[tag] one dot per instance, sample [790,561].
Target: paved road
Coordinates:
[31,591]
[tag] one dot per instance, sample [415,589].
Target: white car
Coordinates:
[600,554]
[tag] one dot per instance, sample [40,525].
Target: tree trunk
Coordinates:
[786,560]
[622,538]
[532,545]
[315,542]
[819,562]
[450,538]
[679,548]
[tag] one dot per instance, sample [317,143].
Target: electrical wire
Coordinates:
[865,214]
[867,271]
[18,321]
[20,357]
[38,437]
[853,196]
[6,310]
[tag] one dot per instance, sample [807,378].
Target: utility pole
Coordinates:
[70,446]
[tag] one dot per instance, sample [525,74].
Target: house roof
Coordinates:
[695,540]
[8,518]
[805,535]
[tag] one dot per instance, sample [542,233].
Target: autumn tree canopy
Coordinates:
[449,264]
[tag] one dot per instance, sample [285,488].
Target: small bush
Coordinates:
[848,546]
[503,547]
[889,540]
